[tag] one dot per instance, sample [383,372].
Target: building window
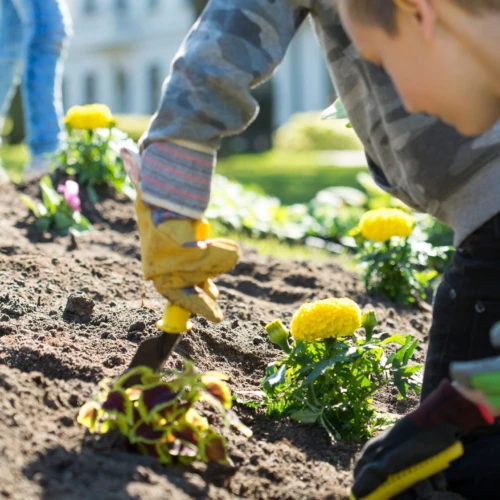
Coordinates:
[155,81]
[121,91]
[90,90]
[90,6]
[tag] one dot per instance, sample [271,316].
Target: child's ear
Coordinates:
[422,11]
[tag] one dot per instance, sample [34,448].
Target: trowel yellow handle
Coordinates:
[175,319]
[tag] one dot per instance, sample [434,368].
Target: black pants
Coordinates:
[467,305]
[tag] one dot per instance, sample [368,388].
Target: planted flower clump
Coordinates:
[334,365]
[59,211]
[158,417]
[91,152]
[393,263]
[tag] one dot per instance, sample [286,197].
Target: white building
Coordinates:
[122,49]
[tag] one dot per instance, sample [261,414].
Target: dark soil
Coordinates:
[54,352]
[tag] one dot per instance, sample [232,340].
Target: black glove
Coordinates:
[406,460]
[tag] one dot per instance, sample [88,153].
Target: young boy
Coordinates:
[442,57]
[236,45]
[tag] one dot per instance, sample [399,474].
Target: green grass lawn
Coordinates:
[13,159]
[292,177]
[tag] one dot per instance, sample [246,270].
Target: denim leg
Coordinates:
[47,30]
[11,53]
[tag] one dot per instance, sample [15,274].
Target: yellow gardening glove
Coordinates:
[181,267]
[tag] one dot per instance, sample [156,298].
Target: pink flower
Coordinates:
[70,191]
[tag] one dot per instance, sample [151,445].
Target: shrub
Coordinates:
[307,132]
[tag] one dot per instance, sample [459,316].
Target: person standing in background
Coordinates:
[33,39]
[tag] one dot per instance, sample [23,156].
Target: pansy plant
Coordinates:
[159,418]
[59,211]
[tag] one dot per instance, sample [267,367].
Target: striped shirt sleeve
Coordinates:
[176,178]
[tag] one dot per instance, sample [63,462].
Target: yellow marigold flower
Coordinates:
[89,117]
[384,223]
[325,319]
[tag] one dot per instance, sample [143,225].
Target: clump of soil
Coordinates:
[72,313]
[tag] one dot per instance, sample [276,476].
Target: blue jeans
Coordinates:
[33,36]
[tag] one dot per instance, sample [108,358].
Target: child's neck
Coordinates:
[480,33]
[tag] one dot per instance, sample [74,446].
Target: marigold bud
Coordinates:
[369,322]
[278,334]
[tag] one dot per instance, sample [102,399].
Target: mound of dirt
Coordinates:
[51,359]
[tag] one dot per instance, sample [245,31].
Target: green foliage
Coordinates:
[434,231]
[13,159]
[333,382]
[159,417]
[132,125]
[246,210]
[401,267]
[291,177]
[54,213]
[329,215]
[93,158]
[307,132]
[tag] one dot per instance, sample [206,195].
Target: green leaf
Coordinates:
[31,204]
[305,416]
[51,198]
[62,222]
[397,338]
[42,210]
[92,194]
[81,223]
[43,224]
[409,352]
[318,371]
[276,378]
[411,370]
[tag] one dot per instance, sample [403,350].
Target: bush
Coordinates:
[133,125]
[307,132]
[291,177]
